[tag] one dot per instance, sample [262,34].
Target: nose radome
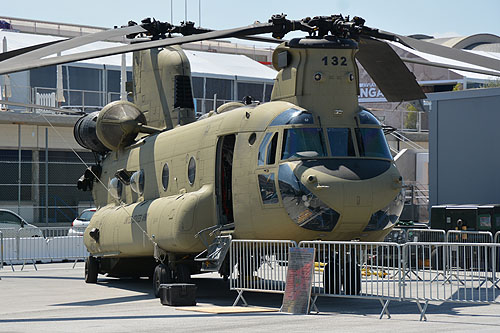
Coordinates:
[344,195]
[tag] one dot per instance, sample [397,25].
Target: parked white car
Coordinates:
[11,224]
[81,222]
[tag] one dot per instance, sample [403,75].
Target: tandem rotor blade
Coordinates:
[448,52]
[16,65]
[448,66]
[390,74]
[19,52]
[46,49]
[41,107]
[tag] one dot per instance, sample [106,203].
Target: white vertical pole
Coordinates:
[185,10]
[6,89]
[59,85]
[199,13]
[19,169]
[123,78]
[171,11]
[47,175]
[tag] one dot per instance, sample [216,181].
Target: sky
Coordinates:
[439,18]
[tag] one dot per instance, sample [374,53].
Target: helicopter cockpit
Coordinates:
[309,152]
[312,142]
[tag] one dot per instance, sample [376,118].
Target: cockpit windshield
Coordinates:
[372,143]
[303,142]
[341,143]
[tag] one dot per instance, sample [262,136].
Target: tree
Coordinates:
[410,121]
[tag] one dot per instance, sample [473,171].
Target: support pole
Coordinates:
[19,169]
[47,176]
[185,10]
[199,13]
[385,309]
[123,78]
[240,297]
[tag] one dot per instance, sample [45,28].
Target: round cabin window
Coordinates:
[137,182]
[251,139]
[115,187]
[165,174]
[191,170]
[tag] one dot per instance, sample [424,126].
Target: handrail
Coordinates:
[398,135]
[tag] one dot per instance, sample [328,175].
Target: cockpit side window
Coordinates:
[303,143]
[271,150]
[372,143]
[268,189]
[293,117]
[341,144]
[262,149]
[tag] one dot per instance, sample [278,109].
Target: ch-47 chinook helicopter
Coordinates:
[309,165]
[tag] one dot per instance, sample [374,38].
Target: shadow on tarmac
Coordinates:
[216,291]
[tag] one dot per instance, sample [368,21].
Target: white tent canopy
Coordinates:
[205,63]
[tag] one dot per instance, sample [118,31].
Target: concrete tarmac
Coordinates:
[56,299]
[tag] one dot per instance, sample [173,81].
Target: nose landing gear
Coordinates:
[345,275]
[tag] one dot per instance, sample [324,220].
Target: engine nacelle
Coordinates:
[85,133]
[118,124]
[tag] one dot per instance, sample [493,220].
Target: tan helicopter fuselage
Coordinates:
[275,170]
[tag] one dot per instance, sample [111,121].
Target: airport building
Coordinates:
[38,159]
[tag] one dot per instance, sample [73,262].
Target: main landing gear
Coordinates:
[91,269]
[164,274]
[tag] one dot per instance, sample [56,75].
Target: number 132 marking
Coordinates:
[335,61]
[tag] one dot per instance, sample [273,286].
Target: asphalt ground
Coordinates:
[55,298]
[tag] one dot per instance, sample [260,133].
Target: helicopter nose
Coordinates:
[356,200]
[323,195]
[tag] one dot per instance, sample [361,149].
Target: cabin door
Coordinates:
[223,179]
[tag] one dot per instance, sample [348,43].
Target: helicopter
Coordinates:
[171,190]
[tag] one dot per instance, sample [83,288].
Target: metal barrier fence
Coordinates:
[356,269]
[461,236]
[414,271]
[258,266]
[1,250]
[469,274]
[497,237]
[425,235]
[53,244]
[402,236]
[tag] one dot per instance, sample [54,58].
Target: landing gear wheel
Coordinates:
[183,273]
[91,269]
[161,275]
[352,278]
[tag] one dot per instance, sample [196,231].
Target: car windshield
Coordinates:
[9,218]
[86,215]
[303,142]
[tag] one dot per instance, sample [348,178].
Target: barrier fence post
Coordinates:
[1,250]
[401,276]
